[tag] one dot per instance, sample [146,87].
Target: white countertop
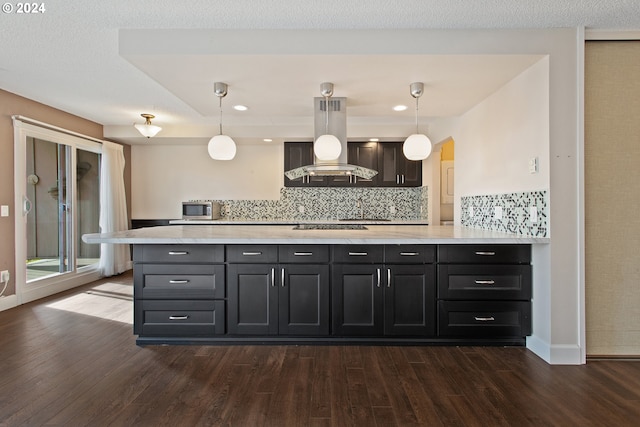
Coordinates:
[285,234]
[296,221]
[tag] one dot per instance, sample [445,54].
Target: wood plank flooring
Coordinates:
[71,360]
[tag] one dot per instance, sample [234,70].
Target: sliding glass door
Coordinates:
[58,187]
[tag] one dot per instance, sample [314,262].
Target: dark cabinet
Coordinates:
[484,291]
[274,298]
[395,299]
[297,154]
[394,169]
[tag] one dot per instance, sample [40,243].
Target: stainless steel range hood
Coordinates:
[337,127]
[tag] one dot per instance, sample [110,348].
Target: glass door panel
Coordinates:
[48,222]
[87,205]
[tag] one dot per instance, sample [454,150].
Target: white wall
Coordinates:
[496,138]
[163,176]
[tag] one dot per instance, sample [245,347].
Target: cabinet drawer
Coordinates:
[358,254]
[484,282]
[484,319]
[310,254]
[409,254]
[252,253]
[180,318]
[178,253]
[484,254]
[179,281]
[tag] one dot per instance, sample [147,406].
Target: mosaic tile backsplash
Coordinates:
[516,212]
[331,204]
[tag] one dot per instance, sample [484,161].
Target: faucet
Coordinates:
[360,206]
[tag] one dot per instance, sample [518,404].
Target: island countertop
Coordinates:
[285,234]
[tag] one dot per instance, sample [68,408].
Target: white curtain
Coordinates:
[114,258]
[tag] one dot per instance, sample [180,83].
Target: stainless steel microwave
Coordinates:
[200,210]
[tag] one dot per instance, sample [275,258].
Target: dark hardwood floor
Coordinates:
[71,360]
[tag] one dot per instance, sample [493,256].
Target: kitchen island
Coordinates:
[345,283]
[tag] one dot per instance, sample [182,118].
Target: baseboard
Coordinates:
[555,354]
[7,302]
[36,292]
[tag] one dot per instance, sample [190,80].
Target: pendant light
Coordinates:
[221,147]
[417,146]
[147,129]
[327,146]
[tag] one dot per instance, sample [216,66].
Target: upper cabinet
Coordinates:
[394,170]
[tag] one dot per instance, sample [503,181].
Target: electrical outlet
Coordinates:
[301,209]
[392,210]
[471,212]
[533,214]
[497,213]
[533,165]
[4,276]
[4,210]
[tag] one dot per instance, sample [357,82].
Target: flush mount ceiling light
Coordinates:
[327,146]
[147,129]
[417,146]
[221,147]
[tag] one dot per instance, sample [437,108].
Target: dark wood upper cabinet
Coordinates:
[394,169]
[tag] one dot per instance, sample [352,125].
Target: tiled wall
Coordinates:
[332,203]
[516,213]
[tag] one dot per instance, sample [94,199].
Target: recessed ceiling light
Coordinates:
[240,107]
[400,108]
[268,140]
[374,139]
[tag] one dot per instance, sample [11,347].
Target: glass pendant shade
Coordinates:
[221,147]
[148,130]
[417,147]
[327,147]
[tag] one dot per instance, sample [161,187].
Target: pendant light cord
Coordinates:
[417,100]
[220,99]
[326,123]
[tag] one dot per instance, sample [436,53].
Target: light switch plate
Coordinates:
[533,165]
[4,210]
[471,212]
[497,213]
[533,214]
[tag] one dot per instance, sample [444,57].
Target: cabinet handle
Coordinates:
[397,179]
[485,282]
[282,277]
[251,253]
[484,319]
[182,317]
[378,270]
[402,178]
[302,253]
[484,253]
[409,253]
[273,277]
[178,253]
[178,282]
[388,277]
[358,254]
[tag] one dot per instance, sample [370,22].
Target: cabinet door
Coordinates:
[409,300]
[304,299]
[389,154]
[410,171]
[357,294]
[364,154]
[252,299]
[298,154]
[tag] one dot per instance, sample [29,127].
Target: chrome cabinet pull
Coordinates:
[273,277]
[178,253]
[302,253]
[178,282]
[484,319]
[282,277]
[397,179]
[182,317]
[388,277]
[358,254]
[402,178]
[485,253]
[252,253]
[485,282]
[409,253]
[378,270]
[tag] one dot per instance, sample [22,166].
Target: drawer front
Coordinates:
[409,254]
[179,281]
[358,254]
[310,254]
[179,318]
[484,282]
[252,254]
[484,319]
[187,254]
[484,254]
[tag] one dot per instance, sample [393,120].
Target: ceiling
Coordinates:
[110,61]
